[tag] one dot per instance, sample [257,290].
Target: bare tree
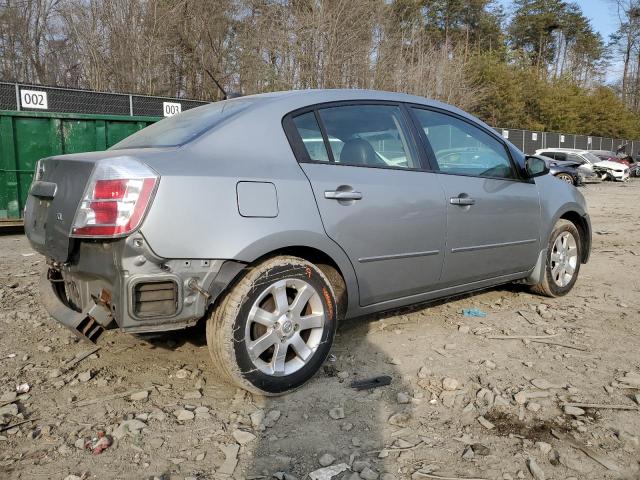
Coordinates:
[627,42]
[28,40]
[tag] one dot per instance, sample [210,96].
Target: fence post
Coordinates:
[130,105]
[17,97]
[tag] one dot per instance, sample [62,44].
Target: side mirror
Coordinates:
[535,167]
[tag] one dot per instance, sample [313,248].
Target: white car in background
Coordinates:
[605,169]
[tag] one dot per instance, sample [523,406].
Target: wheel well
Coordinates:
[326,264]
[583,228]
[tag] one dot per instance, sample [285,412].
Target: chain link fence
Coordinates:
[529,141]
[17,96]
[25,97]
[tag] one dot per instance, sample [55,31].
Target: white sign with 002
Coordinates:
[34,99]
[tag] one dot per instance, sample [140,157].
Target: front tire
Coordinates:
[565,177]
[274,328]
[562,266]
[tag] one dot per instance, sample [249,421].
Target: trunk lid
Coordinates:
[58,189]
[54,196]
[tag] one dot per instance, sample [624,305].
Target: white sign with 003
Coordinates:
[33,99]
[169,109]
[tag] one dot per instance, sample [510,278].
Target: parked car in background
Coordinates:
[604,169]
[606,155]
[566,171]
[236,213]
[621,157]
[562,157]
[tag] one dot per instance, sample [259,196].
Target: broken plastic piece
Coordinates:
[374,382]
[473,312]
[98,444]
[23,388]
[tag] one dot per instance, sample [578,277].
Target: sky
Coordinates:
[604,17]
[602,13]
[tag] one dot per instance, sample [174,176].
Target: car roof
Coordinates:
[340,94]
[566,150]
[290,100]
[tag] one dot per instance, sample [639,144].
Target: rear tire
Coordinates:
[273,330]
[562,265]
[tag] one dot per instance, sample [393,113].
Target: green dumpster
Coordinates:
[26,137]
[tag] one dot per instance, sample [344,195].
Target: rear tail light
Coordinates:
[117,197]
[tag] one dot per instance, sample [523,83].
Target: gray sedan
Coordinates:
[274,216]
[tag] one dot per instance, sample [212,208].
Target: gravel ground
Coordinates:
[460,405]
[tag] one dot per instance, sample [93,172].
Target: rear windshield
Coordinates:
[184,127]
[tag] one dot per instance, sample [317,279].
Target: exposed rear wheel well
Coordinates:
[325,263]
[583,228]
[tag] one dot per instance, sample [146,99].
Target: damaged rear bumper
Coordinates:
[87,324]
[123,284]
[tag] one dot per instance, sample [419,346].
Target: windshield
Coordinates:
[591,157]
[184,127]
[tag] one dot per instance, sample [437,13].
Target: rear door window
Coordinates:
[368,136]
[311,136]
[358,135]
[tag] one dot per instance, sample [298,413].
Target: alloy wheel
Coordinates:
[284,327]
[564,259]
[565,178]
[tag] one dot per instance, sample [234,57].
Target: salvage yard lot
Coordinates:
[187,424]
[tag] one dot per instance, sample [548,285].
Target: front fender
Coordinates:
[561,200]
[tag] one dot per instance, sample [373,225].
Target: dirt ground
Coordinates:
[460,404]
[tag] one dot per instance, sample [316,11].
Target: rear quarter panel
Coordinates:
[195,210]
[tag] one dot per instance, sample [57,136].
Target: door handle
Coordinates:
[342,195]
[462,201]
